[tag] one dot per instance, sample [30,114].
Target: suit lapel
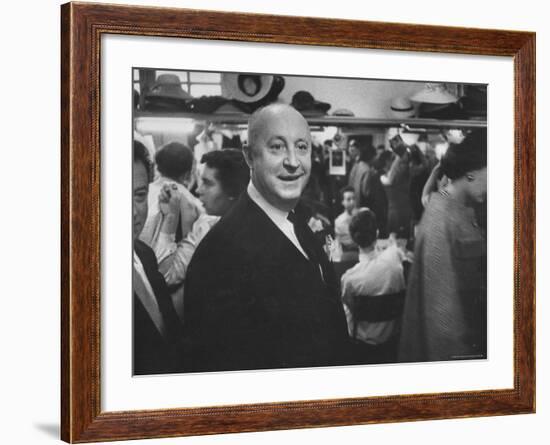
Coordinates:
[267,240]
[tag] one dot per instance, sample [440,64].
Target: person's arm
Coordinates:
[174,265]
[431,184]
[396,168]
[173,258]
[347,296]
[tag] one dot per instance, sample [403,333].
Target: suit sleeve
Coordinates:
[218,310]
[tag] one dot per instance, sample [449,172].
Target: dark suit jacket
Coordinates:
[253,301]
[154,354]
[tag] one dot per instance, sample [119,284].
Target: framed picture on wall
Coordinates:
[229,298]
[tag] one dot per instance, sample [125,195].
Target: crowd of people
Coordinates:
[240,271]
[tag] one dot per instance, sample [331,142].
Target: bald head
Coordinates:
[265,116]
[279,154]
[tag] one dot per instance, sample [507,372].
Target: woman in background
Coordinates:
[445,309]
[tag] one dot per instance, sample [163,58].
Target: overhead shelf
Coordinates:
[410,123]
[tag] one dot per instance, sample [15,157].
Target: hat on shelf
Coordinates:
[249,91]
[166,94]
[306,104]
[434,93]
[246,87]
[343,112]
[401,108]
[437,102]
[474,101]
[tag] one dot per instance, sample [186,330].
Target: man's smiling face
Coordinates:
[280,155]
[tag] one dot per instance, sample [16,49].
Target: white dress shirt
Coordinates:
[378,272]
[279,217]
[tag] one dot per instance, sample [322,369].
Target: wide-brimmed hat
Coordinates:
[246,87]
[434,93]
[401,108]
[166,93]
[305,103]
[168,86]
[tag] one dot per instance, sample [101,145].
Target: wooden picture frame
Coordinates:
[82,26]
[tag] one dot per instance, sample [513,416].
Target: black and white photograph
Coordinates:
[284,221]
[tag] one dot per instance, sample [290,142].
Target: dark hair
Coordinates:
[231,170]
[174,160]
[363,227]
[469,155]
[142,155]
[381,160]
[347,188]
[363,142]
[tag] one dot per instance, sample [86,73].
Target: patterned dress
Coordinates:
[445,314]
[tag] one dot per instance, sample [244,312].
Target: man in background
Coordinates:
[365,180]
[379,272]
[155,325]
[341,225]
[166,227]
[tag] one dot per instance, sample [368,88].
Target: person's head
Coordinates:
[175,161]
[363,228]
[383,161]
[224,177]
[360,148]
[465,164]
[279,154]
[141,179]
[353,150]
[381,148]
[348,198]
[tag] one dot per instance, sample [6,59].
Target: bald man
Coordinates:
[260,292]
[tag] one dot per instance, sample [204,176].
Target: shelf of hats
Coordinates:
[210,110]
[182,105]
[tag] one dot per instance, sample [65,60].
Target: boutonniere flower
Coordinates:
[315,224]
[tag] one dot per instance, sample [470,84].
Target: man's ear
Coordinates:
[247,154]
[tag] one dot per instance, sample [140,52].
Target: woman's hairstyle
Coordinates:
[231,170]
[363,228]
[174,160]
[142,155]
[469,155]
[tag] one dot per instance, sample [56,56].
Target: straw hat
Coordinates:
[246,87]
[401,108]
[434,93]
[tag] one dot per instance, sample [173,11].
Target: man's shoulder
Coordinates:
[236,233]
[341,218]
